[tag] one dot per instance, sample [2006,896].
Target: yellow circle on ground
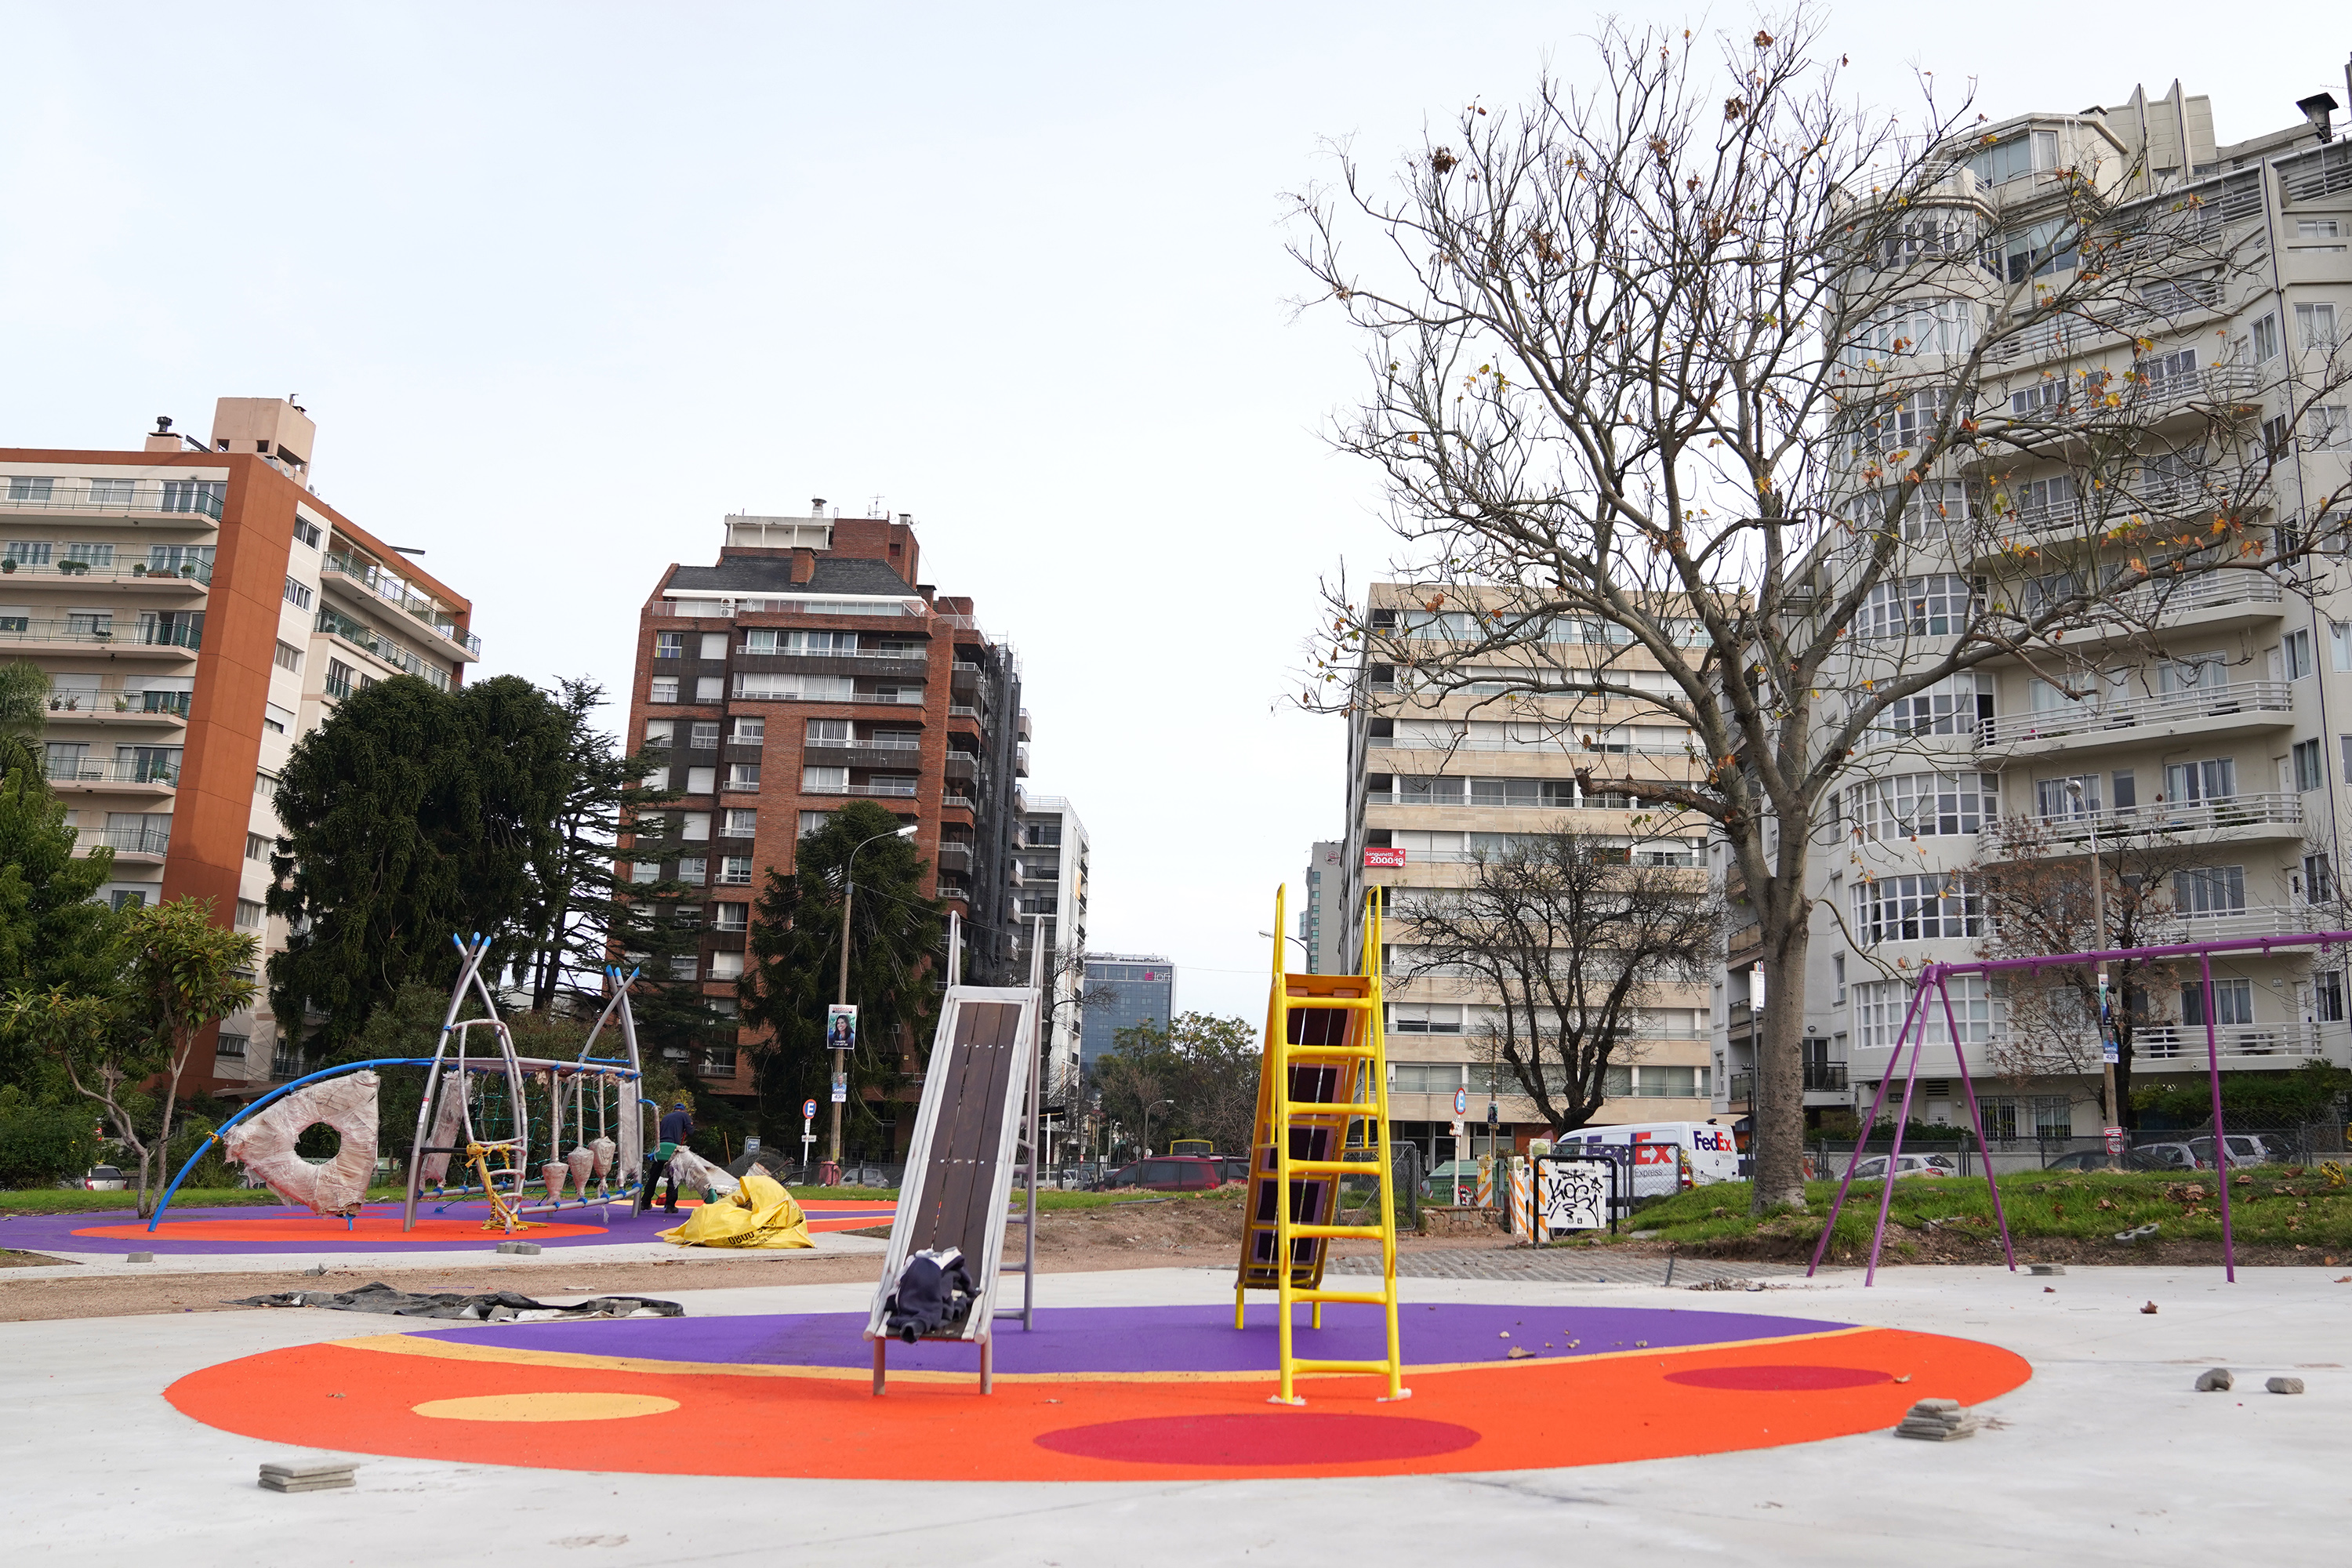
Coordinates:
[544,1407]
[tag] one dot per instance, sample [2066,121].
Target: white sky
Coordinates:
[564,284]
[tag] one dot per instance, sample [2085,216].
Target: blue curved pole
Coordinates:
[281,1090]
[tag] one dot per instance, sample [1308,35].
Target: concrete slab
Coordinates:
[2105,1456]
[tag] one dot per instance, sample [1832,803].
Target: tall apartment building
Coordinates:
[198,609]
[1124,990]
[808,668]
[1049,877]
[2222,737]
[1435,780]
[1322,924]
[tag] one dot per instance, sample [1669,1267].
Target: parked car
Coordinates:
[104,1179]
[2245,1149]
[2166,1157]
[1166,1173]
[1236,1167]
[1874,1167]
[2082,1160]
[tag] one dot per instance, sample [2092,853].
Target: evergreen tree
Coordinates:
[51,933]
[793,972]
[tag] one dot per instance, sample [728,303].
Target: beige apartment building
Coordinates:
[1439,779]
[198,609]
[2214,722]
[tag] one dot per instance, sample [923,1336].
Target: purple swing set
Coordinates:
[1938,975]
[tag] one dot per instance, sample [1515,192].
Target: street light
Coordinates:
[841,1053]
[1147,1123]
[2099,943]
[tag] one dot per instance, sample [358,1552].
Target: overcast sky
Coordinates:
[564,285]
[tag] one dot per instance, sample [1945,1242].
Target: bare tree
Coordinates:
[1705,363]
[1574,941]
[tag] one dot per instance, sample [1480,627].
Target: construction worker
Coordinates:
[676,1127]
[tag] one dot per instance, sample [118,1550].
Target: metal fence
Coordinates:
[2252,1143]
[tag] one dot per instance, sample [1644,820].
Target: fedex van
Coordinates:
[1668,1156]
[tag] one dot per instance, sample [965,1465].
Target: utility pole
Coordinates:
[2108,1051]
[841,1052]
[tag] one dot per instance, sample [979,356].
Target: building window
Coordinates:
[703,736]
[2296,649]
[664,690]
[339,678]
[1913,908]
[2327,995]
[643,872]
[701,781]
[1922,803]
[286,1060]
[2233,1003]
[2318,879]
[231,1047]
[725,966]
[2314,326]
[265,785]
[824,781]
[711,689]
[2306,765]
[694,827]
[694,869]
[249,915]
[719,1061]
[290,658]
[1880,1006]
[658,732]
[2266,337]
[122,899]
[2331,426]
[1837,973]
[742,775]
[257,847]
[714,645]
[685,966]
[276,720]
[669,645]
[306,531]
[1937,606]
[742,822]
[735,871]
[730,917]
[750,732]
[814,821]
[297,593]
[2210,890]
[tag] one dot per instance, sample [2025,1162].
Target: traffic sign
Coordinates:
[808,1107]
[1461,1102]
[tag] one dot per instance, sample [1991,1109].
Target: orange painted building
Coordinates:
[198,609]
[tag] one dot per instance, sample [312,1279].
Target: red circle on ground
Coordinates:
[1272,1438]
[1780,1378]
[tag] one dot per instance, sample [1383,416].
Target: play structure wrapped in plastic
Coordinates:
[758,1213]
[264,1144]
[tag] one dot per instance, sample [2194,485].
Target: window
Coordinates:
[2166,374]
[714,645]
[290,658]
[2274,431]
[2056,798]
[2210,890]
[1910,421]
[2040,249]
[789,688]
[265,785]
[687,918]
[703,735]
[1880,1005]
[643,873]
[719,1061]
[694,869]
[101,556]
[195,495]
[2317,229]
[306,531]
[1922,803]
[725,966]
[297,593]
[814,822]
[1956,705]
[2314,326]
[2327,995]
[31,552]
[1937,606]
[742,775]
[249,915]
[2318,879]
[2034,153]
[669,645]
[1837,973]
[2216,778]
[2329,425]
[828,732]
[1919,327]
[659,731]
[735,871]
[695,825]
[2306,765]
[741,823]
[2233,1003]
[257,847]
[709,688]
[1913,908]
[2266,337]
[750,732]
[824,781]
[701,781]
[122,899]
[685,966]
[339,678]
[2040,398]
[231,1047]
[286,1060]
[730,917]
[276,720]
[664,690]
[2206,672]
[2294,649]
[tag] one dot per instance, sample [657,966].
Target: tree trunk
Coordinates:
[1778,1101]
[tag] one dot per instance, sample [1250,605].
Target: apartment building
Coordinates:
[2207,726]
[198,609]
[1049,878]
[1322,925]
[1436,780]
[807,668]
[1124,990]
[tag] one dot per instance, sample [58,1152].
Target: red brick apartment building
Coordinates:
[809,668]
[198,609]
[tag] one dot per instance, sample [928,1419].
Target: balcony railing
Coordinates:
[1821,1078]
[370,640]
[394,590]
[198,572]
[959,802]
[2028,833]
[881,791]
[2178,1042]
[93,771]
[2094,717]
[118,498]
[868,743]
[108,633]
[2253,920]
[152,840]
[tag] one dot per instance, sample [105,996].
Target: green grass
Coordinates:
[2268,1207]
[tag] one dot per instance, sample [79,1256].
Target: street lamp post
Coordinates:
[1147,1125]
[841,1053]
[2098,942]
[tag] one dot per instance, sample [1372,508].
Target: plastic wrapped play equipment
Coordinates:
[526,1134]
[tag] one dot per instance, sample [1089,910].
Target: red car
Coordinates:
[1167,1174]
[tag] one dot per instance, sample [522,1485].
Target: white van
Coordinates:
[1668,1156]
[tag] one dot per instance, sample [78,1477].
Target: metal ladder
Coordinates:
[1326,1047]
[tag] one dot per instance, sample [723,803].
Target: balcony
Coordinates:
[112,710]
[962,765]
[2253,920]
[956,803]
[157,776]
[369,640]
[173,637]
[151,842]
[188,577]
[954,857]
[2142,721]
[199,502]
[384,584]
[1825,1079]
[2244,816]
[2239,1045]
[894,789]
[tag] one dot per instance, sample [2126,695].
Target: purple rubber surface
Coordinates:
[1150,1339]
[308,1233]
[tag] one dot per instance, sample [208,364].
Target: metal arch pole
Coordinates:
[2220,1137]
[433,1076]
[1037,1071]
[1821,1247]
[279,1093]
[1895,1153]
[1967,1087]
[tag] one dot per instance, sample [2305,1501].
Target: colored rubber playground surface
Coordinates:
[1095,1393]
[261,1231]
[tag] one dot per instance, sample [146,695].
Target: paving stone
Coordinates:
[519,1248]
[1562,1267]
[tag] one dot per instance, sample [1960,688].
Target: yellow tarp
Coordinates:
[759,1212]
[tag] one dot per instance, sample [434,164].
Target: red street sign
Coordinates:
[1393,858]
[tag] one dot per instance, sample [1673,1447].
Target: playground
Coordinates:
[1136,1415]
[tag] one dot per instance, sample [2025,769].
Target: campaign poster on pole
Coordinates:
[841,1027]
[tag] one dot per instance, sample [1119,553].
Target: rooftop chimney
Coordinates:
[161,438]
[817,507]
[804,564]
[2316,109]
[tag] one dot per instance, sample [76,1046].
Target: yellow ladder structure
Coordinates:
[1325,1045]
